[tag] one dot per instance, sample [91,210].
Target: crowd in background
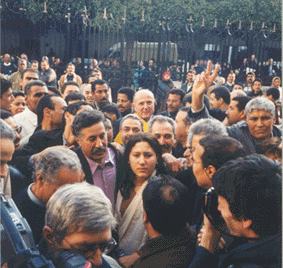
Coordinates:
[152,151]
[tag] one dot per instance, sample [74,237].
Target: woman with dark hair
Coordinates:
[142,160]
[19,104]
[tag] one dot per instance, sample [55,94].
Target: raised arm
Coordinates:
[201,84]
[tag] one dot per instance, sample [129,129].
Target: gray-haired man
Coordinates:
[86,231]
[55,167]
[7,148]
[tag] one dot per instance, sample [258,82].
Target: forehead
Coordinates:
[142,146]
[20,98]
[30,74]
[174,96]
[131,122]
[70,67]
[212,96]
[196,139]
[72,87]
[100,87]
[161,127]
[87,89]
[94,130]
[199,150]
[143,97]
[233,103]
[35,89]
[259,113]
[122,96]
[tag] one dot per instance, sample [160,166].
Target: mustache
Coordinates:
[120,106]
[104,99]
[98,150]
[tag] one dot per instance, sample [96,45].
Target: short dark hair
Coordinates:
[98,82]
[63,88]
[274,92]
[28,70]
[179,92]
[5,86]
[32,83]
[270,145]
[73,109]
[165,201]
[106,123]
[250,73]
[45,102]
[74,96]
[238,83]
[127,91]
[257,80]
[54,90]
[252,186]
[220,149]
[242,102]
[18,93]
[111,109]
[188,98]
[86,119]
[5,114]
[221,92]
[89,76]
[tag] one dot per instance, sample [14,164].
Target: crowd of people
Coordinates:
[184,176]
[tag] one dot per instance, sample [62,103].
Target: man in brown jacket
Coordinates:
[70,76]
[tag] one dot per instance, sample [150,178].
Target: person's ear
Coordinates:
[39,178]
[49,236]
[144,217]
[47,112]
[210,171]
[243,114]
[221,100]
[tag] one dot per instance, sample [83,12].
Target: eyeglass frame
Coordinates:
[111,245]
[18,129]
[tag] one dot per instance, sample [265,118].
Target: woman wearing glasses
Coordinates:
[142,160]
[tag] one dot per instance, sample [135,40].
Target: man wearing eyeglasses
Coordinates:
[85,231]
[34,91]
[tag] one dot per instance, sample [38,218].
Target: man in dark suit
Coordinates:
[55,167]
[100,160]
[43,139]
